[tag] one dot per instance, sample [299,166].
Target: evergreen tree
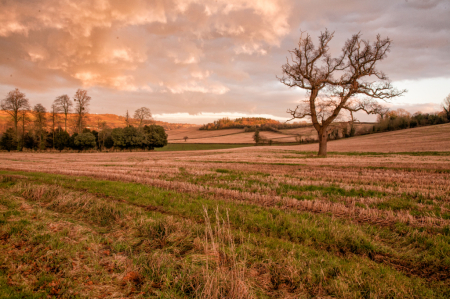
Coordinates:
[62,139]
[8,141]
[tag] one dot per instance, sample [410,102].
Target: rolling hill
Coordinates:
[93,120]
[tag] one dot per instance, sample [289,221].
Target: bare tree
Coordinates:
[82,101]
[185,138]
[332,82]
[40,123]
[54,115]
[102,133]
[24,119]
[13,104]
[127,119]
[446,106]
[368,105]
[64,105]
[142,114]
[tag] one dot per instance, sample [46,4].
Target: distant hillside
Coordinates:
[240,123]
[93,121]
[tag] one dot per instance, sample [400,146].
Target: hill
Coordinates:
[195,135]
[240,123]
[93,121]
[429,138]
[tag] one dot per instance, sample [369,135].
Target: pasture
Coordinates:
[371,220]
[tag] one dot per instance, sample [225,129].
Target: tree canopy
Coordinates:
[334,84]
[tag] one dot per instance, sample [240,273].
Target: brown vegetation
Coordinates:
[242,223]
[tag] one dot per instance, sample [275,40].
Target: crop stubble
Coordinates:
[400,202]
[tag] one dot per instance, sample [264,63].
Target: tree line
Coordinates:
[38,129]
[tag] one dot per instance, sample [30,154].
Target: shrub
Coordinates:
[155,136]
[257,137]
[62,139]
[85,141]
[8,141]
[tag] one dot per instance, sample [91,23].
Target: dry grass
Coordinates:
[290,225]
[432,138]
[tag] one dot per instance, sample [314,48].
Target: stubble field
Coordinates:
[239,136]
[255,222]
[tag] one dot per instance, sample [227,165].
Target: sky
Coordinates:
[195,61]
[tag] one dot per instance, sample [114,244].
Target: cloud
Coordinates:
[204,55]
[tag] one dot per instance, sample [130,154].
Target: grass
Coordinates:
[199,146]
[269,239]
[248,226]
[172,254]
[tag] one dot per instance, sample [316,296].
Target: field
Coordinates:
[371,220]
[240,136]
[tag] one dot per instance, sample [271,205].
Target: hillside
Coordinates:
[93,121]
[195,135]
[430,138]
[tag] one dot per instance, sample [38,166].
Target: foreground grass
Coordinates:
[141,241]
[199,146]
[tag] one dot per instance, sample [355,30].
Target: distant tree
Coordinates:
[155,136]
[54,115]
[127,119]
[446,106]
[8,141]
[103,133]
[82,101]
[142,114]
[257,137]
[72,144]
[109,142]
[61,140]
[127,138]
[185,138]
[40,123]
[29,141]
[15,102]
[85,141]
[24,119]
[63,105]
[313,69]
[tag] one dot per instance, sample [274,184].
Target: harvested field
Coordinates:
[240,136]
[432,138]
[255,222]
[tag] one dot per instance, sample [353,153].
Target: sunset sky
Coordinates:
[195,61]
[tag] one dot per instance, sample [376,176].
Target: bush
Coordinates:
[85,141]
[62,139]
[30,141]
[257,137]
[155,136]
[109,142]
[8,141]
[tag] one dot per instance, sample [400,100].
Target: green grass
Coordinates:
[199,146]
[300,253]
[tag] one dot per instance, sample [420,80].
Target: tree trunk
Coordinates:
[323,138]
